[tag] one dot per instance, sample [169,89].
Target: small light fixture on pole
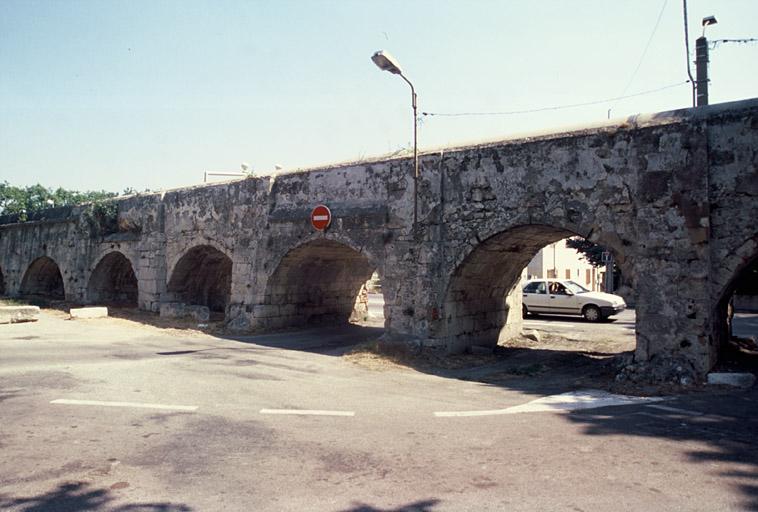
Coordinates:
[701,64]
[708,20]
[386,62]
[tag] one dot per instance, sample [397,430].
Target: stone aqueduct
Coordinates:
[673,195]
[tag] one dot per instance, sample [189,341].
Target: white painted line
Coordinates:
[675,409]
[320,217]
[126,404]
[306,412]
[575,400]
[454,414]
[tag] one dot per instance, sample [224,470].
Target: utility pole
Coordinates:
[701,71]
[608,260]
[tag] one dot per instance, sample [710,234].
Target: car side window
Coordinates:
[557,289]
[535,287]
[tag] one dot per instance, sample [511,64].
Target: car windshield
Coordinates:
[575,287]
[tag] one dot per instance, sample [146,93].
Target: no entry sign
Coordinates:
[321,217]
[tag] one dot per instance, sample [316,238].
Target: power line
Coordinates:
[687,49]
[647,47]
[558,107]
[716,42]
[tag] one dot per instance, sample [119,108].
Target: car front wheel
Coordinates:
[592,314]
[524,311]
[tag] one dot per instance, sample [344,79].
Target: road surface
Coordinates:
[112,415]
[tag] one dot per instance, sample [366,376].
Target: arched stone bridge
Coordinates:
[674,196]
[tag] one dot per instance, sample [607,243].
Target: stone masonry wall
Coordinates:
[673,195]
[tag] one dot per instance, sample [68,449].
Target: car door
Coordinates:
[535,296]
[561,300]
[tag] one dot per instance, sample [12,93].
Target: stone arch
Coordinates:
[43,278]
[174,256]
[113,281]
[479,307]
[729,276]
[316,282]
[202,276]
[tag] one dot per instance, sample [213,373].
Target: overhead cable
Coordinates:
[647,47]
[716,42]
[557,107]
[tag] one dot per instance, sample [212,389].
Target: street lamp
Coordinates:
[708,20]
[386,62]
[701,64]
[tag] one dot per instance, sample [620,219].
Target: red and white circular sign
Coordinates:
[321,217]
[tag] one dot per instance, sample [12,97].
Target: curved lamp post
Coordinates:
[386,62]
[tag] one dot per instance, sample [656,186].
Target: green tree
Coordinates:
[591,251]
[27,200]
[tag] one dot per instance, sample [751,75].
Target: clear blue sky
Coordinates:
[149,94]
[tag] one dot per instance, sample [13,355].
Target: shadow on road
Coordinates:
[80,497]
[723,427]
[418,506]
[323,340]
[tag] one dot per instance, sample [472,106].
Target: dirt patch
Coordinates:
[555,363]
[374,355]
[132,317]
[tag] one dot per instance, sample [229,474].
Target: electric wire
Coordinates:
[557,107]
[647,47]
[687,49]
[715,43]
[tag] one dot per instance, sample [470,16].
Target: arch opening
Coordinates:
[321,282]
[736,319]
[43,279]
[2,283]
[490,293]
[203,277]
[113,282]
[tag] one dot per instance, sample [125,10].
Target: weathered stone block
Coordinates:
[15,314]
[181,310]
[84,313]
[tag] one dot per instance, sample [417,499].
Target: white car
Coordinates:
[565,297]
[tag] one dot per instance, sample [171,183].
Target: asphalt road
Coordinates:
[620,326]
[109,415]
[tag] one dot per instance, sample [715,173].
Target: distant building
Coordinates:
[558,261]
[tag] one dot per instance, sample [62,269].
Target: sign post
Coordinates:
[321,217]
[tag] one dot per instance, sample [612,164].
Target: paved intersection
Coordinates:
[238,438]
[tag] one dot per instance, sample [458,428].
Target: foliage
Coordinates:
[24,201]
[591,252]
[102,217]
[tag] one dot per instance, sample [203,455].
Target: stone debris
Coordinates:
[84,313]
[15,314]
[532,334]
[660,369]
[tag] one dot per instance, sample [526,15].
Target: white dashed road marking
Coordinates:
[126,404]
[306,412]
[575,400]
[675,410]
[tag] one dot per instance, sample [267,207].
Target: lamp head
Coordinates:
[709,20]
[386,62]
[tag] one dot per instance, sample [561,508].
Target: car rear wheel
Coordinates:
[592,314]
